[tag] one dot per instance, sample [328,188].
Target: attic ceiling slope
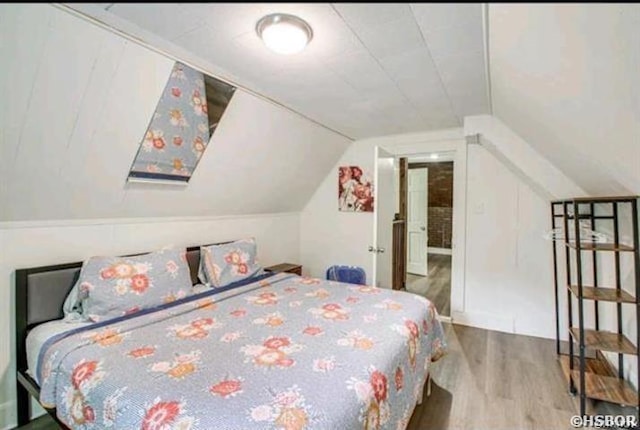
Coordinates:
[542,176]
[565,78]
[370,70]
[66,154]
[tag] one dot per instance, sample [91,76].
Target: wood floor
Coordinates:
[491,380]
[42,423]
[437,285]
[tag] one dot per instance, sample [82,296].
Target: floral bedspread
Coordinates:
[285,352]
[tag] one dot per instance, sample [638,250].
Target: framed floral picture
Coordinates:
[355,190]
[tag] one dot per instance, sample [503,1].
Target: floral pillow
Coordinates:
[221,265]
[110,287]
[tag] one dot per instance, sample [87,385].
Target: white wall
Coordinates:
[32,244]
[525,162]
[77,100]
[331,237]
[508,270]
[565,78]
[509,284]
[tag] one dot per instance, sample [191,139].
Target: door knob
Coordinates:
[380,250]
[423,228]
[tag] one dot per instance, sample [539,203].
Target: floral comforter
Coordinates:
[284,352]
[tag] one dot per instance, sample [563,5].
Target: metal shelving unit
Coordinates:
[595,378]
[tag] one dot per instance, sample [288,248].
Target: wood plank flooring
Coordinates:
[42,423]
[437,285]
[491,380]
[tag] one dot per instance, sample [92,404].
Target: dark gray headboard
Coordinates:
[46,292]
[41,291]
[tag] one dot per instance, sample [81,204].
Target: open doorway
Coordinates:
[429,200]
[390,215]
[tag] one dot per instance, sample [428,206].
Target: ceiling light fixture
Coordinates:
[434,156]
[284,34]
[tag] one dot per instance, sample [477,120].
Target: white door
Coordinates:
[417,201]
[384,207]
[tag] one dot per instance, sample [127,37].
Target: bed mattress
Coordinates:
[39,335]
[278,352]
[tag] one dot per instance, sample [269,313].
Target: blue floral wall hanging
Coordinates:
[186,116]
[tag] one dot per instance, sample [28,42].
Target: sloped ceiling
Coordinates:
[77,100]
[566,78]
[370,70]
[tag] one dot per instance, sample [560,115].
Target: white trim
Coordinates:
[445,319]
[379,152]
[443,141]
[521,158]
[442,158]
[484,320]
[487,64]
[14,225]
[438,136]
[175,183]
[439,251]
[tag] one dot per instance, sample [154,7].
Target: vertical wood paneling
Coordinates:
[90,119]
[403,187]
[94,94]
[24,31]
[132,95]
[23,36]
[58,90]
[399,264]
[404,195]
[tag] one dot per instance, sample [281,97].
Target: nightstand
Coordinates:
[285,267]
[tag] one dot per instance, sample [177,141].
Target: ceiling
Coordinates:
[564,77]
[370,70]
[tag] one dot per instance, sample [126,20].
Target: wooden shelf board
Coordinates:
[582,216]
[604,341]
[564,350]
[599,383]
[593,365]
[594,246]
[603,294]
[606,199]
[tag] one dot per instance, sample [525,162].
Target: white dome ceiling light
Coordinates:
[284,34]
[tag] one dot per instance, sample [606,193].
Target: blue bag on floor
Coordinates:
[348,274]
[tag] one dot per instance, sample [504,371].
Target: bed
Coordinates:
[273,351]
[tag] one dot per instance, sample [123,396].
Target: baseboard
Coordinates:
[441,251]
[6,225]
[484,320]
[505,324]
[444,319]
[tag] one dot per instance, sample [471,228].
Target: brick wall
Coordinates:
[440,227]
[440,204]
